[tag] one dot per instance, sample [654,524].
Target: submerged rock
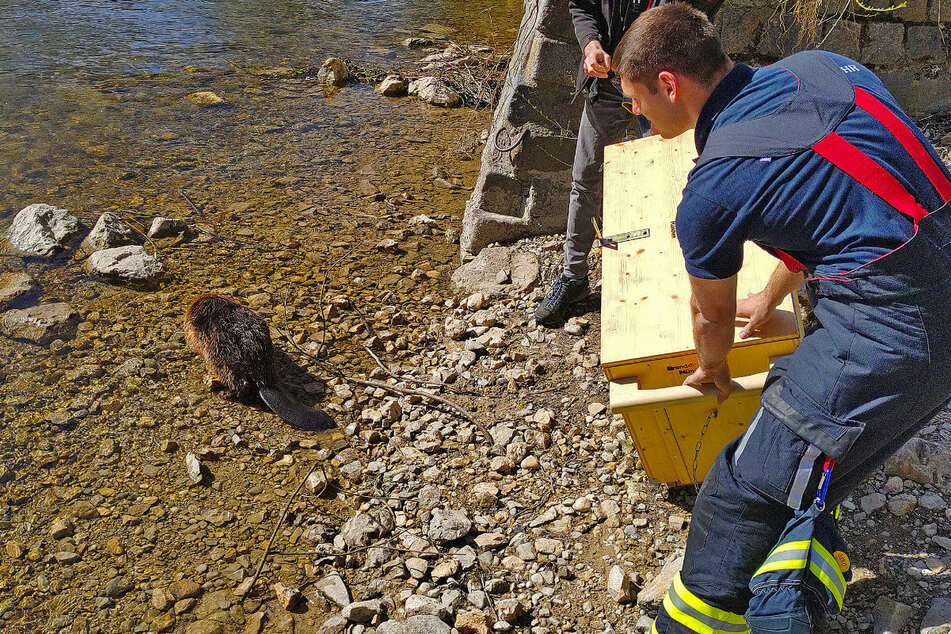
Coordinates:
[393,86]
[435,91]
[43,229]
[109,232]
[206,98]
[125,264]
[333,72]
[41,324]
[15,289]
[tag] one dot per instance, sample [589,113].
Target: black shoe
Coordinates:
[563,292]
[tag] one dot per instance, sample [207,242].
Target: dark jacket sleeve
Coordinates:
[588,21]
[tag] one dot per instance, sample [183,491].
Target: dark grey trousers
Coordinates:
[603,122]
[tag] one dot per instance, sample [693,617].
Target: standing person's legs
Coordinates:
[603,122]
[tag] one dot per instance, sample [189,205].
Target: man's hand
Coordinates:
[597,62]
[758,309]
[718,376]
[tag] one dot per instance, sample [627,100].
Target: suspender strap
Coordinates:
[908,140]
[866,171]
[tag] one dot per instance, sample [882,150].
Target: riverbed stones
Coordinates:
[448,525]
[163,227]
[481,273]
[130,264]
[108,232]
[363,611]
[16,290]
[423,624]
[333,73]
[41,324]
[194,468]
[434,91]
[922,461]
[619,585]
[654,591]
[43,230]
[335,589]
[393,86]
[890,617]
[361,530]
[287,596]
[938,618]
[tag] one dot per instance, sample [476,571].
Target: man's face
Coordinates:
[661,107]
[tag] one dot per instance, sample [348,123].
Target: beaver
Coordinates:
[236,345]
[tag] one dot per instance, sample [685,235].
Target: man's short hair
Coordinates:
[673,37]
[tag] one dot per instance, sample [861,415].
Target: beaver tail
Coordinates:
[293,413]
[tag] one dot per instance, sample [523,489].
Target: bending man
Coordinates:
[812,159]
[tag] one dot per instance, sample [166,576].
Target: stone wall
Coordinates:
[524,191]
[907,48]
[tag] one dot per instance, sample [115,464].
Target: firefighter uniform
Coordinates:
[813,159]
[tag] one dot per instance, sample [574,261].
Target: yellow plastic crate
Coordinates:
[647,344]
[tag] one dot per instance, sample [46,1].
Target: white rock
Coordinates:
[392,86]
[434,91]
[41,324]
[619,585]
[43,229]
[108,232]
[335,589]
[194,468]
[125,264]
[167,227]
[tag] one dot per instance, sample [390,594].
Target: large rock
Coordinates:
[41,324]
[420,605]
[938,618]
[924,462]
[43,229]
[448,525]
[653,593]
[109,232]
[619,585]
[415,625]
[435,91]
[16,290]
[482,273]
[125,264]
[333,72]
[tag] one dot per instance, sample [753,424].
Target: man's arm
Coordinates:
[760,307]
[713,309]
[587,19]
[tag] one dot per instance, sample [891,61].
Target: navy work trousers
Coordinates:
[856,389]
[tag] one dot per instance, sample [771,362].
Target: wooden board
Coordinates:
[645,313]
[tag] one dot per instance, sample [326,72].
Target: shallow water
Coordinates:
[91,91]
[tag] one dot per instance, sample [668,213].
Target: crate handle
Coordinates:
[626,394]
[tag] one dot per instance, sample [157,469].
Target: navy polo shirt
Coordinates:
[801,203]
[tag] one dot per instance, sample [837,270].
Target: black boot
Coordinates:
[563,292]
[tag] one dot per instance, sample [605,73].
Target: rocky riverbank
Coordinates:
[135,500]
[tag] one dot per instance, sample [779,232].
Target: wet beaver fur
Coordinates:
[235,344]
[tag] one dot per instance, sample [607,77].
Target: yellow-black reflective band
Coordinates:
[827,582]
[654,628]
[690,610]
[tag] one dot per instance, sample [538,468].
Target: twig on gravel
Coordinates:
[246,586]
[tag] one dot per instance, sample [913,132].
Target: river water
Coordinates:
[87,87]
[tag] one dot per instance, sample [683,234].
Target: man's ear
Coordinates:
[669,84]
